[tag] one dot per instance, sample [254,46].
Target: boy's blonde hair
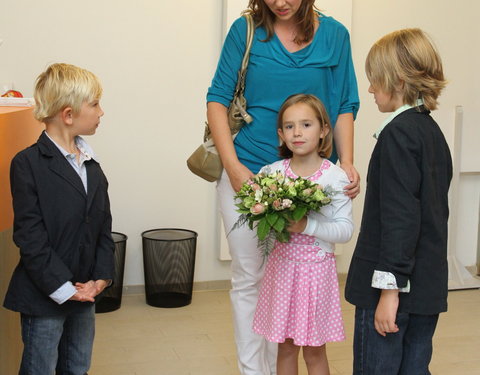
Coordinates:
[407,56]
[61,86]
[325,144]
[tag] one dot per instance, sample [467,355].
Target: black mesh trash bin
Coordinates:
[169,262]
[111,298]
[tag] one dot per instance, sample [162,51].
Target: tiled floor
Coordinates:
[197,339]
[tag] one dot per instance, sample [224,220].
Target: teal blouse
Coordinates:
[323,68]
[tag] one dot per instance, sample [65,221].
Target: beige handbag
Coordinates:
[205,161]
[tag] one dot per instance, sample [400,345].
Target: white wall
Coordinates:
[156,60]
[456,32]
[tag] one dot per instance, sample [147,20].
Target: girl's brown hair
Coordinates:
[305,17]
[407,56]
[325,144]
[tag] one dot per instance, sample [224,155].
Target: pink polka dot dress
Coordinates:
[299,297]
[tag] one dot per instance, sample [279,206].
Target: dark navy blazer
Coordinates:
[64,234]
[404,223]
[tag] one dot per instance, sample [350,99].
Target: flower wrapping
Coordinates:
[268,202]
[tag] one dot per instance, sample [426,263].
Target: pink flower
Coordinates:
[256,187]
[277,204]
[286,203]
[257,209]
[307,192]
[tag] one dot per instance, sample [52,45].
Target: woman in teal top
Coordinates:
[323,68]
[295,50]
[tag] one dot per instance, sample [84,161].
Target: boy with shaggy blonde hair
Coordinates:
[62,225]
[398,276]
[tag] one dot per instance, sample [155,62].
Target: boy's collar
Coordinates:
[82,145]
[403,108]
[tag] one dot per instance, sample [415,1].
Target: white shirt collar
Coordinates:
[82,145]
[389,119]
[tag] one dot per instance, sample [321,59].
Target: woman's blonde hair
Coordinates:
[305,17]
[325,144]
[61,86]
[407,56]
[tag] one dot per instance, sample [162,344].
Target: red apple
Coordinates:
[13,94]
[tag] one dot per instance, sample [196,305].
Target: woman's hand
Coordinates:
[343,138]
[238,175]
[218,124]
[352,189]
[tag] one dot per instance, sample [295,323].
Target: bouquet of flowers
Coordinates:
[271,201]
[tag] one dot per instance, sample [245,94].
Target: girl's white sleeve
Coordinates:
[334,223]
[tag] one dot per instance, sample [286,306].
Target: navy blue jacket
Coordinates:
[64,234]
[404,223]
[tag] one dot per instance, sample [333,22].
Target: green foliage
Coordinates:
[270,202]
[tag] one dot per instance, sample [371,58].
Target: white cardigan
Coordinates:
[334,221]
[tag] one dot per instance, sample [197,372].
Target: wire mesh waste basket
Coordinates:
[111,298]
[169,263]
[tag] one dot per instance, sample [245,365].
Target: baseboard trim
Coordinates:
[199,286]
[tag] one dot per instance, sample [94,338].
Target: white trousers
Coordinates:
[256,356]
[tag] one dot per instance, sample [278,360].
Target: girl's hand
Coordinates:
[352,189]
[238,175]
[386,312]
[297,226]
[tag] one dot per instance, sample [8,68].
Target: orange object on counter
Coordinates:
[18,130]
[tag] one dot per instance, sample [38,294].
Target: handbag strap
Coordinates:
[240,88]
[242,72]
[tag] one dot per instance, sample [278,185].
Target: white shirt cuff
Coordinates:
[386,280]
[63,293]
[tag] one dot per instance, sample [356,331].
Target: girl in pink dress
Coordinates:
[299,302]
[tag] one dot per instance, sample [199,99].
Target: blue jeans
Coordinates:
[60,345]
[407,352]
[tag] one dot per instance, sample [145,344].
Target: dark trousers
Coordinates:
[407,352]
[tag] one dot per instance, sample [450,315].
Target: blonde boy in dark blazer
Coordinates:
[62,225]
[399,273]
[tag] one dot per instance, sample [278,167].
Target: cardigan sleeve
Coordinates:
[335,223]
[399,199]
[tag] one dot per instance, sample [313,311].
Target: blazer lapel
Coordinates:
[59,165]
[93,180]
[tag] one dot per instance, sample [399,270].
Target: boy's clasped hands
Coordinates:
[86,292]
